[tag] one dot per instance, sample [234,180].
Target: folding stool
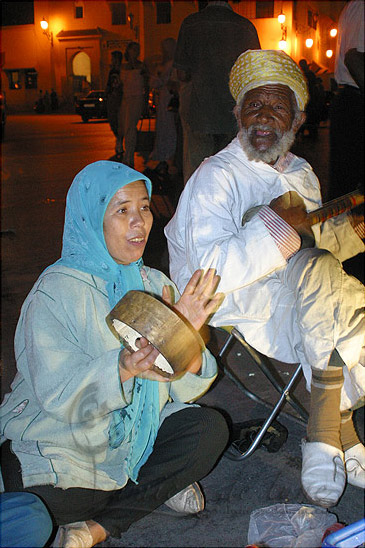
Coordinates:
[268,368]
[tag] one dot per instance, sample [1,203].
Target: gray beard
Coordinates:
[282,146]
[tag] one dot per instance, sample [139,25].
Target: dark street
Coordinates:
[41,154]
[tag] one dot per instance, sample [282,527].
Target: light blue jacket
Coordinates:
[67,385]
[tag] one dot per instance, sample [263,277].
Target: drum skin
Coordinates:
[141,314]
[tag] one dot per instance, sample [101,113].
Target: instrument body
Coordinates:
[139,314]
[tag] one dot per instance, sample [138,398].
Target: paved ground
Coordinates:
[41,155]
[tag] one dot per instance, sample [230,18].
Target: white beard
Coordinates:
[282,146]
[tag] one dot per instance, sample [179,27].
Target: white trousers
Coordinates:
[329,311]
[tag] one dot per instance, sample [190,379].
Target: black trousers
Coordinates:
[187,447]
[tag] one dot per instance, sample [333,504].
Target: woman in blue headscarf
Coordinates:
[97,438]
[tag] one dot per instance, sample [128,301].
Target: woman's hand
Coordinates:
[139,363]
[199,299]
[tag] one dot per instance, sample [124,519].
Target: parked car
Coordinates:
[92,106]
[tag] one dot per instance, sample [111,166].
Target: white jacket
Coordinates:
[206,231]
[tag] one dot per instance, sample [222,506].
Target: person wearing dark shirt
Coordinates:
[114,94]
[209,43]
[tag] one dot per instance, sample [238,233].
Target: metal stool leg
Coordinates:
[266,367]
[232,453]
[284,390]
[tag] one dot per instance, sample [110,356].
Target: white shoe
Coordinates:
[73,535]
[323,472]
[355,465]
[188,501]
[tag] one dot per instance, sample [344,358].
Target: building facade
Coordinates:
[72,55]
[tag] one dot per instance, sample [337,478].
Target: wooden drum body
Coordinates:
[138,314]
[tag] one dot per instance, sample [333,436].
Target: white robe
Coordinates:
[206,231]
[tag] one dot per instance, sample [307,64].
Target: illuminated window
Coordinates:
[14,79]
[163,12]
[119,13]
[264,8]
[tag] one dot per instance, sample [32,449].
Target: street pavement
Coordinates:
[41,154]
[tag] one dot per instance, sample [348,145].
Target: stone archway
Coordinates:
[81,71]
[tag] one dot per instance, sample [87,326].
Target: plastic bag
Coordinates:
[289,526]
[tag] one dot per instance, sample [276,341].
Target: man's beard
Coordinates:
[282,146]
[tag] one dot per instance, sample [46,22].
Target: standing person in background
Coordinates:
[312,109]
[114,94]
[209,42]
[134,77]
[347,111]
[166,133]
[39,106]
[184,101]
[54,99]
[47,101]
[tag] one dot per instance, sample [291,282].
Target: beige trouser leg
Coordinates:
[129,115]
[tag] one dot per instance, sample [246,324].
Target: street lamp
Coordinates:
[44,27]
[282,44]
[281,19]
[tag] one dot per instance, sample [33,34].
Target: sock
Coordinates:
[348,434]
[324,417]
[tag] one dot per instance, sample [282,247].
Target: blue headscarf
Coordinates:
[84,249]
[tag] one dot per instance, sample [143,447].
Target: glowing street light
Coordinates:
[281,18]
[282,44]
[329,53]
[44,27]
[333,32]
[309,42]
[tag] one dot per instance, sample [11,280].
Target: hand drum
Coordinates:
[138,314]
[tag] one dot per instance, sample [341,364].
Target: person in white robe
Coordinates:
[245,212]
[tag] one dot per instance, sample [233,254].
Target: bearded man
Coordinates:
[286,290]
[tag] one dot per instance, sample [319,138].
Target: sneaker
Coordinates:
[323,473]
[73,535]
[355,465]
[188,501]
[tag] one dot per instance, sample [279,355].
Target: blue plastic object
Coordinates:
[351,536]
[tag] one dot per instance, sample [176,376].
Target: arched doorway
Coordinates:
[81,70]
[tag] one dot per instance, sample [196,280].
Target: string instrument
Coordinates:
[336,207]
[326,211]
